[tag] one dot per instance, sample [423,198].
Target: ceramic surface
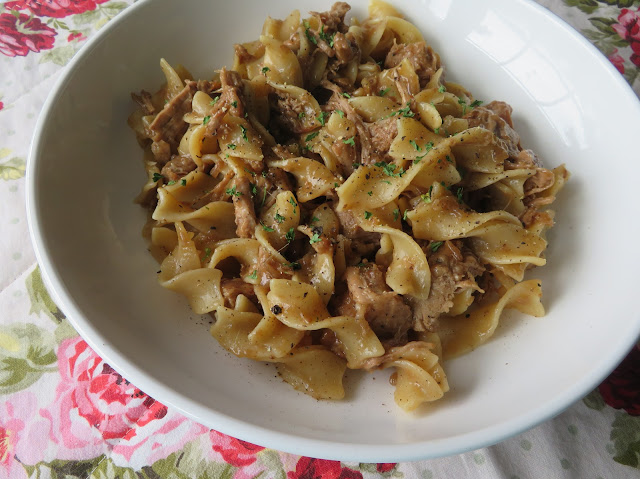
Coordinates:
[570,106]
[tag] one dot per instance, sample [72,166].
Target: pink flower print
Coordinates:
[617,60]
[95,406]
[22,34]
[54,8]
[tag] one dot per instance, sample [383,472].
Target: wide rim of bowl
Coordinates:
[336,450]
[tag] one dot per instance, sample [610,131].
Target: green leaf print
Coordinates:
[106,469]
[594,400]
[586,6]
[625,434]
[273,463]
[41,302]
[26,353]
[12,169]
[188,464]
[59,469]
[604,24]
[60,55]
[86,18]
[619,3]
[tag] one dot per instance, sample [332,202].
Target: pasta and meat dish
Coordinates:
[334,202]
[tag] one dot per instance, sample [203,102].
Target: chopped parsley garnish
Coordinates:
[462,101]
[384,91]
[370,193]
[448,158]
[293,202]
[404,215]
[302,114]
[252,173]
[459,194]
[350,141]
[268,229]
[434,246]
[396,214]
[172,182]
[367,215]
[265,70]
[427,196]
[232,146]
[327,38]
[183,182]
[233,192]
[389,169]
[206,119]
[441,89]
[157,177]
[345,94]
[253,275]
[314,219]
[308,33]
[415,145]
[214,101]
[356,165]
[311,136]
[437,131]
[427,149]
[207,253]
[244,133]
[290,235]
[234,104]
[406,112]
[315,238]
[293,265]
[476,103]
[341,113]
[321,117]
[279,218]
[254,189]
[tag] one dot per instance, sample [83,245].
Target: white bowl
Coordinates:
[571,106]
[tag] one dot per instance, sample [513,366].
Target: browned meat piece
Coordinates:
[368,294]
[345,50]
[144,100]
[243,207]
[330,341]
[352,230]
[231,100]
[168,125]
[452,266]
[542,180]
[178,167]
[161,151]
[243,55]
[292,115]
[232,288]
[346,155]
[502,109]
[382,132]
[270,268]
[333,20]
[423,59]
[207,86]
[492,117]
[339,102]
[293,43]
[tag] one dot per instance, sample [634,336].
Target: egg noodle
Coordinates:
[333,202]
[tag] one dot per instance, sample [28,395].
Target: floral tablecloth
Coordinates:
[64,413]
